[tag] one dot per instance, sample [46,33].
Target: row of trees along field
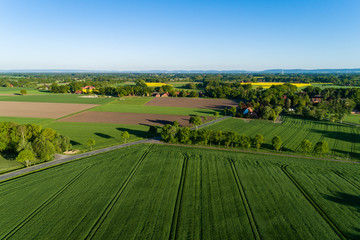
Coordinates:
[30,141]
[175,134]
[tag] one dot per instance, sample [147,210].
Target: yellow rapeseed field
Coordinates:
[155,84]
[269,84]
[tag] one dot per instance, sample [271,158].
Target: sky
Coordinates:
[179,34]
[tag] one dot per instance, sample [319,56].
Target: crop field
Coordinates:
[170,192]
[150,105]
[41,110]
[128,118]
[16,90]
[56,98]
[343,140]
[352,118]
[104,134]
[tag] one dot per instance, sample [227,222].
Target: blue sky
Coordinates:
[169,35]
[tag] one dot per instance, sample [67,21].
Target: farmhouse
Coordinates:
[316,99]
[87,89]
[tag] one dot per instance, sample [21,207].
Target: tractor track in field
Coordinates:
[248,211]
[292,136]
[44,204]
[313,203]
[306,136]
[113,201]
[177,207]
[353,147]
[347,180]
[333,151]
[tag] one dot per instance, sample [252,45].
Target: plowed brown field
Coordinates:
[41,110]
[193,103]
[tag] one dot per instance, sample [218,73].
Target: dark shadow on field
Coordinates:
[347,200]
[74,143]
[343,136]
[103,135]
[11,156]
[159,121]
[355,155]
[136,133]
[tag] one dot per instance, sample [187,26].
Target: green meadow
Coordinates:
[166,192]
[343,140]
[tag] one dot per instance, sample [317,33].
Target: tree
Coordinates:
[258,140]
[277,142]
[25,156]
[168,132]
[125,135]
[245,141]
[176,124]
[23,91]
[321,147]
[184,135]
[195,120]
[233,111]
[216,114]
[152,131]
[91,143]
[219,137]
[306,146]
[44,149]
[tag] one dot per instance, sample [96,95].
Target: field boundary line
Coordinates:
[44,204]
[177,207]
[211,122]
[313,203]
[248,211]
[262,153]
[347,180]
[113,201]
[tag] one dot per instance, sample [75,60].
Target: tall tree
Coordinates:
[277,142]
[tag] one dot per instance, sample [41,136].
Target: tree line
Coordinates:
[30,141]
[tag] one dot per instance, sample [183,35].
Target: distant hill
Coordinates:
[270,71]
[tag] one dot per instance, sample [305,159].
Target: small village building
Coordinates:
[316,99]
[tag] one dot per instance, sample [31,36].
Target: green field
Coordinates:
[16,90]
[343,140]
[56,98]
[25,120]
[136,105]
[105,134]
[164,192]
[352,118]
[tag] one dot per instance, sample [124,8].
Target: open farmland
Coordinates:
[166,192]
[127,118]
[343,140]
[40,110]
[215,104]
[56,98]
[175,106]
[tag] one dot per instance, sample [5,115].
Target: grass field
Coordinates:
[165,192]
[352,118]
[343,140]
[16,90]
[25,120]
[56,98]
[136,105]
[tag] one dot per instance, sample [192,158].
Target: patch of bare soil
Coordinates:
[215,104]
[41,110]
